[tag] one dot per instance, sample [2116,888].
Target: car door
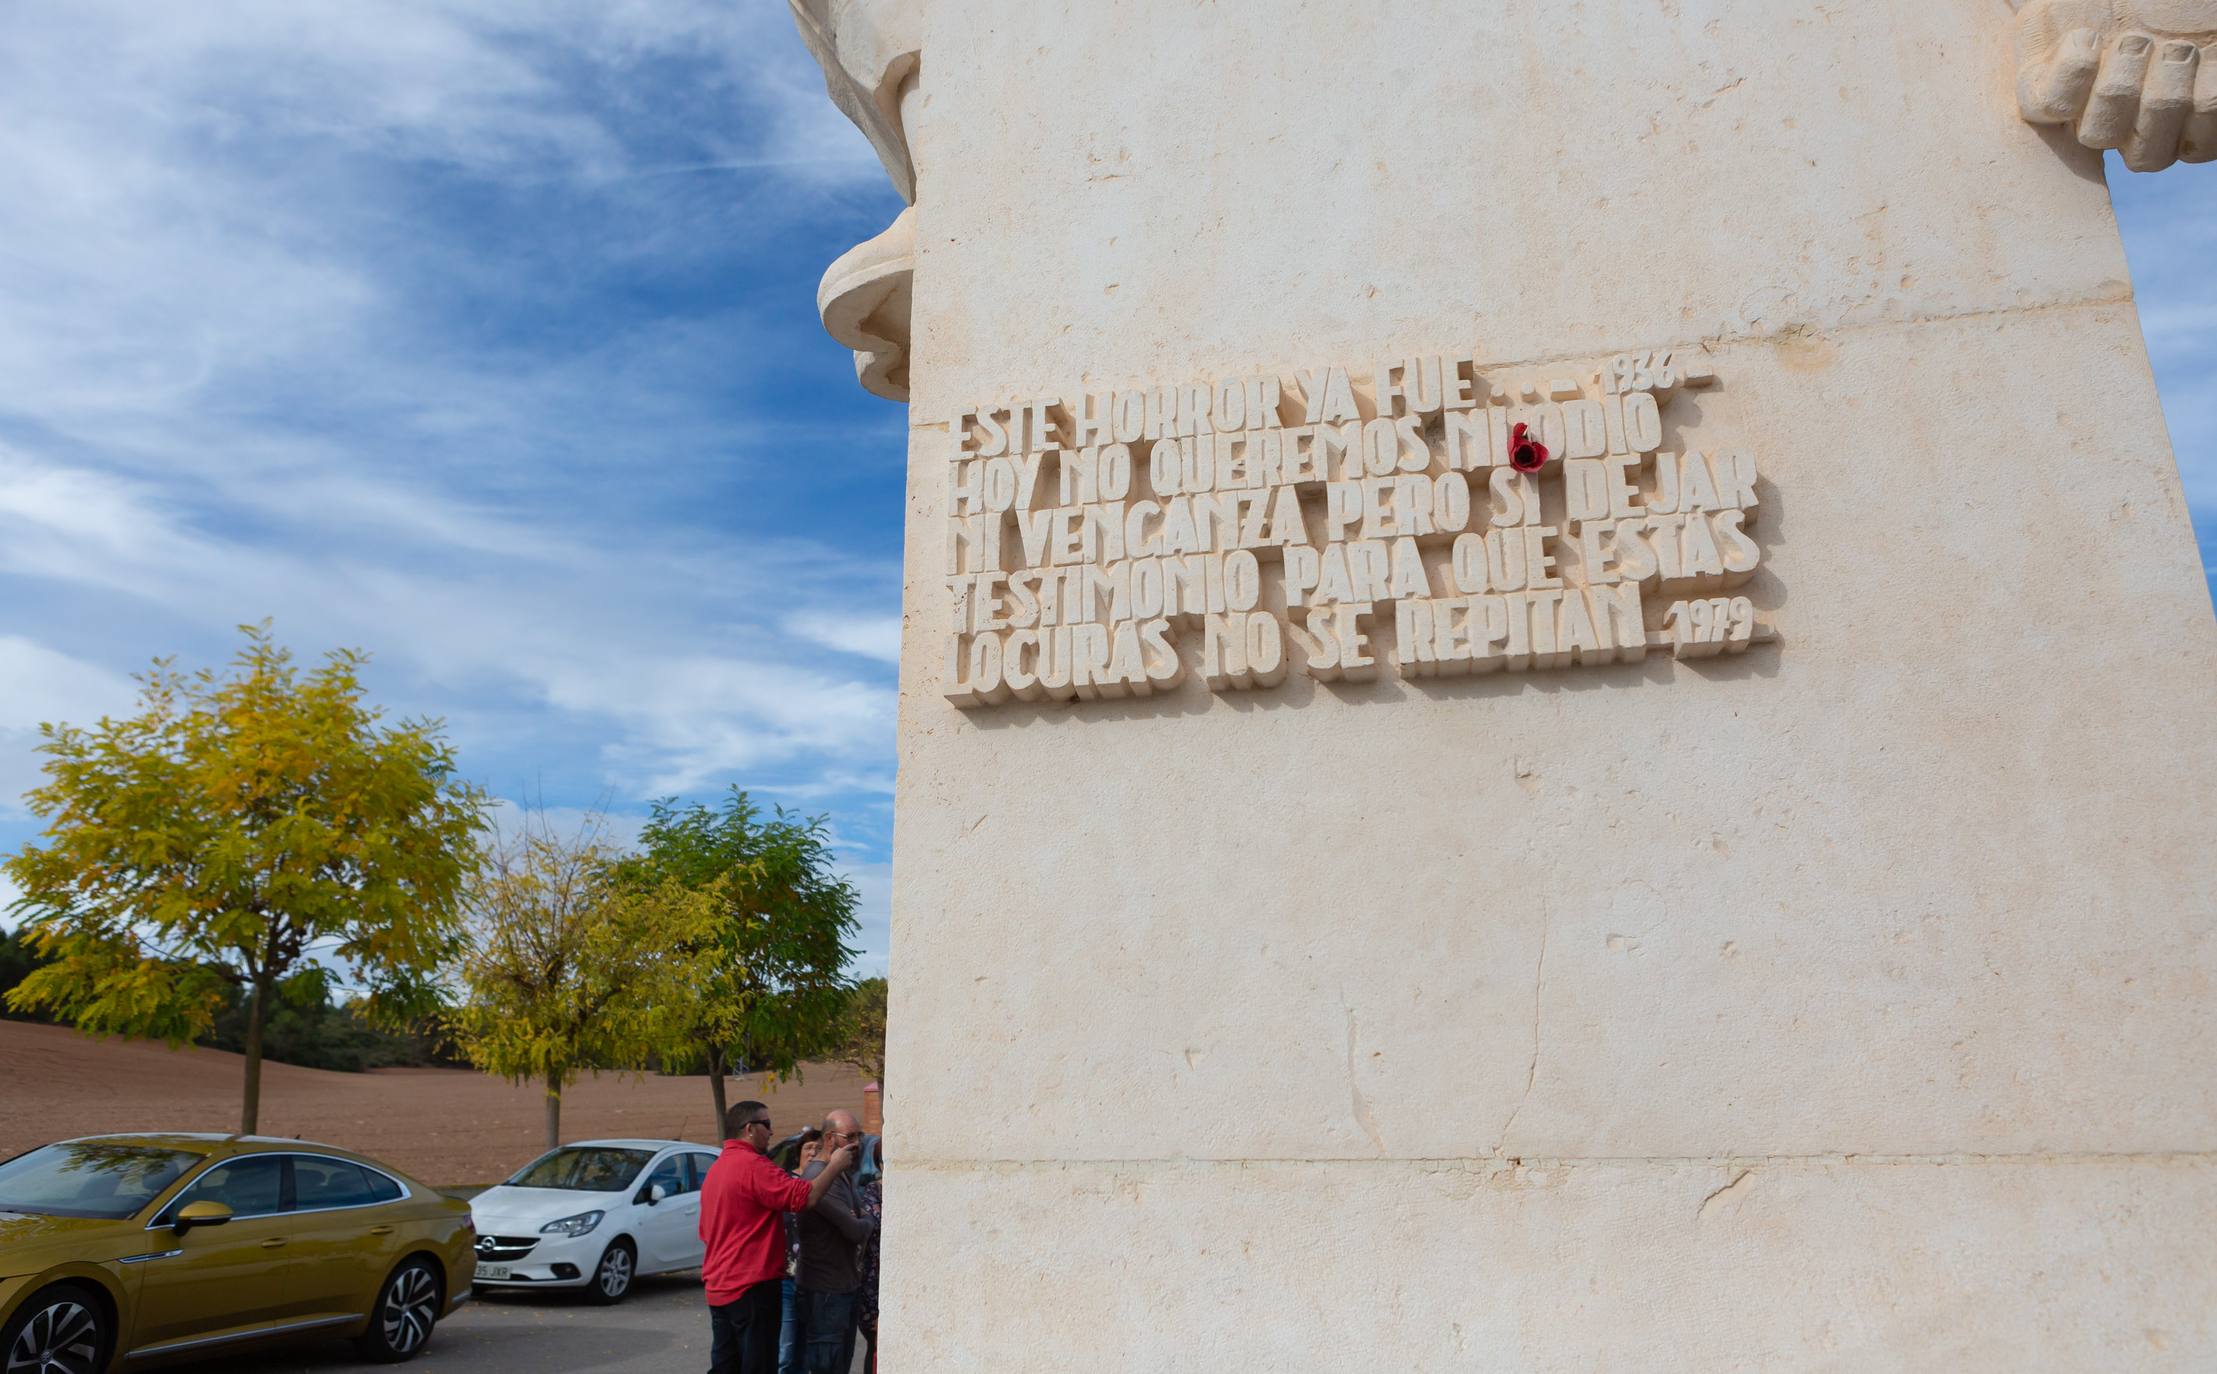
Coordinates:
[666,1229]
[213,1281]
[696,1174]
[344,1239]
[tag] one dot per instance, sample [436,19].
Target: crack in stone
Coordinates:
[1715,1193]
[1532,1070]
[1361,1104]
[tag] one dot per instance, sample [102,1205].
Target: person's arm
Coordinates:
[832,1168]
[845,1215]
[782,1192]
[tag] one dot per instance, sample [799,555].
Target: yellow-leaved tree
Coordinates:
[246,831]
[565,969]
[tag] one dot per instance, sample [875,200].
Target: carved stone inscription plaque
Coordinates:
[1432,520]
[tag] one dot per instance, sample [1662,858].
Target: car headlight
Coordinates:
[572,1226]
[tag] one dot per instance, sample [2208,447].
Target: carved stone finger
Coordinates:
[2052,87]
[2114,106]
[2199,141]
[2165,102]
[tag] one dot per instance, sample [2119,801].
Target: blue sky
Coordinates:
[482,336]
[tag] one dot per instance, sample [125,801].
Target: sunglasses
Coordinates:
[763,1122]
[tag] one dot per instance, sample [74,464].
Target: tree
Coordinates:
[306,1027]
[240,830]
[773,981]
[862,1031]
[17,960]
[564,969]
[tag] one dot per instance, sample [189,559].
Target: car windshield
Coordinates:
[90,1178]
[584,1169]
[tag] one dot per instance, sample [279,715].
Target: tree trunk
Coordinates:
[554,1110]
[717,1130]
[257,1009]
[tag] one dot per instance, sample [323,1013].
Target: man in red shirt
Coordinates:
[743,1202]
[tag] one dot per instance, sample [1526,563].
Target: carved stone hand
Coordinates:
[2139,76]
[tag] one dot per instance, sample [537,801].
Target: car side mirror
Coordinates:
[655,1193]
[202,1213]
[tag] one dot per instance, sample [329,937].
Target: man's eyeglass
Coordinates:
[763,1122]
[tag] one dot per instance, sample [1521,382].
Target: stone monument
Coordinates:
[1556,698]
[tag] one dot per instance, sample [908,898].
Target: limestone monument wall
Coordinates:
[1734,897]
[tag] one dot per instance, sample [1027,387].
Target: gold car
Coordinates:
[123,1247]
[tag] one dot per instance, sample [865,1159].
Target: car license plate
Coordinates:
[492,1271]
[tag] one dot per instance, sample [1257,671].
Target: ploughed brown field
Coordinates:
[444,1126]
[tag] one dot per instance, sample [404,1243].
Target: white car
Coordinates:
[593,1216]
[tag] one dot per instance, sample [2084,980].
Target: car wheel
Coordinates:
[400,1325]
[63,1330]
[613,1275]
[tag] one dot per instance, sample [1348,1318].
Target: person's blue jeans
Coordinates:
[827,1331]
[789,1333]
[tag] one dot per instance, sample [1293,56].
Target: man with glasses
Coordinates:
[743,1202]
[829,1280]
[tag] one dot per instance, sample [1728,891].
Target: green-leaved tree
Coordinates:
[567,970]
[242,832]
[772,982]
[861,1044]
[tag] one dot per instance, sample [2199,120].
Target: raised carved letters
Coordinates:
[1251,527]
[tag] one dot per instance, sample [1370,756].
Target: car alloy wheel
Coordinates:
[411,1305]
[62,1337]
[613,1278]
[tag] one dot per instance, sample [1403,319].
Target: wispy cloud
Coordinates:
[39,685]
[44,685]
[869,636]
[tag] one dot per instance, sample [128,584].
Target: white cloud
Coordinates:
[39,685]
[832,782]
[869,636]
[695,719]
[616,829]
[580,633]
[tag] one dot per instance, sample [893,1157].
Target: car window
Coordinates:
[382,1188]
[670,1173]
[698,1174]
[250,1187]
[584,1169]
[89,1178]
[321,1182]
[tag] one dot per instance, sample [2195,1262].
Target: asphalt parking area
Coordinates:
[662,1328]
